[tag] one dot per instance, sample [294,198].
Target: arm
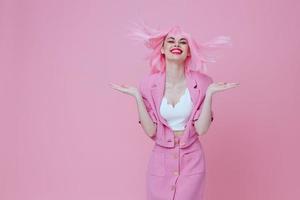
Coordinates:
[144,113]
[205,110]
[147,116]
[206,116]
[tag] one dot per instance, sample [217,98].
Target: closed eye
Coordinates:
[172,41]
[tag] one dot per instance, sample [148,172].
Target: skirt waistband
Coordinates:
[177,139]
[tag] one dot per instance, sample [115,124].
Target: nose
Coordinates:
[176,44]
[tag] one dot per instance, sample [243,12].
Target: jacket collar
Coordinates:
[158,88]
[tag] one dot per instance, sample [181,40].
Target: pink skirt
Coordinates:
[176,173]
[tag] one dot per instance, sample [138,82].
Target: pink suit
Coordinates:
[176,168]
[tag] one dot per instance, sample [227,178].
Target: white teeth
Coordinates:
[176,51]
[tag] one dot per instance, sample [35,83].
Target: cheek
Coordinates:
[186,48]
[167,46]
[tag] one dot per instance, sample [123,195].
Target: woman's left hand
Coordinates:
[220,86]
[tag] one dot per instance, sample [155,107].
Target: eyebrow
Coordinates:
[174,38]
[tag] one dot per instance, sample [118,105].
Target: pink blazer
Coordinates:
[151,88]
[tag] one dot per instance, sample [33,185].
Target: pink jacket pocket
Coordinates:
[193,162]
[156,165]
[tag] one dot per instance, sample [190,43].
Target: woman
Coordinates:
[174,106]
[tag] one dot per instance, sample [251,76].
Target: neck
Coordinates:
[174,72]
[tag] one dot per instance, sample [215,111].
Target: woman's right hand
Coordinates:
[133,91]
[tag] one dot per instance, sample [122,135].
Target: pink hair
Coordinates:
[154,38]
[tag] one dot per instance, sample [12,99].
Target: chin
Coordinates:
[177,58]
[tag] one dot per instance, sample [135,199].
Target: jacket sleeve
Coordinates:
[199,109]
[146,99]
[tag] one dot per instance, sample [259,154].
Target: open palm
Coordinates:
[220,86]
[133,91]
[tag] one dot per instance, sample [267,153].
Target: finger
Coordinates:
[221,83]
[115,86]
[231,86]
[120,90]
[124,85]
[118,87]
[112,84]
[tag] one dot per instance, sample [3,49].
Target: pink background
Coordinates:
[66,134]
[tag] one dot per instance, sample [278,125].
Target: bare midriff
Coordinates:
[178,133]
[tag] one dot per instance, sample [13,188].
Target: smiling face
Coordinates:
[175,47]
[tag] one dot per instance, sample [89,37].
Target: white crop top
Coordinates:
[177,116]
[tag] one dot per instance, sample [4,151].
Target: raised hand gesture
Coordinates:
[220,86]
[133,91]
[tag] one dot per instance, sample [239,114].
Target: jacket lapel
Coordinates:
[194,88]
[157,92]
